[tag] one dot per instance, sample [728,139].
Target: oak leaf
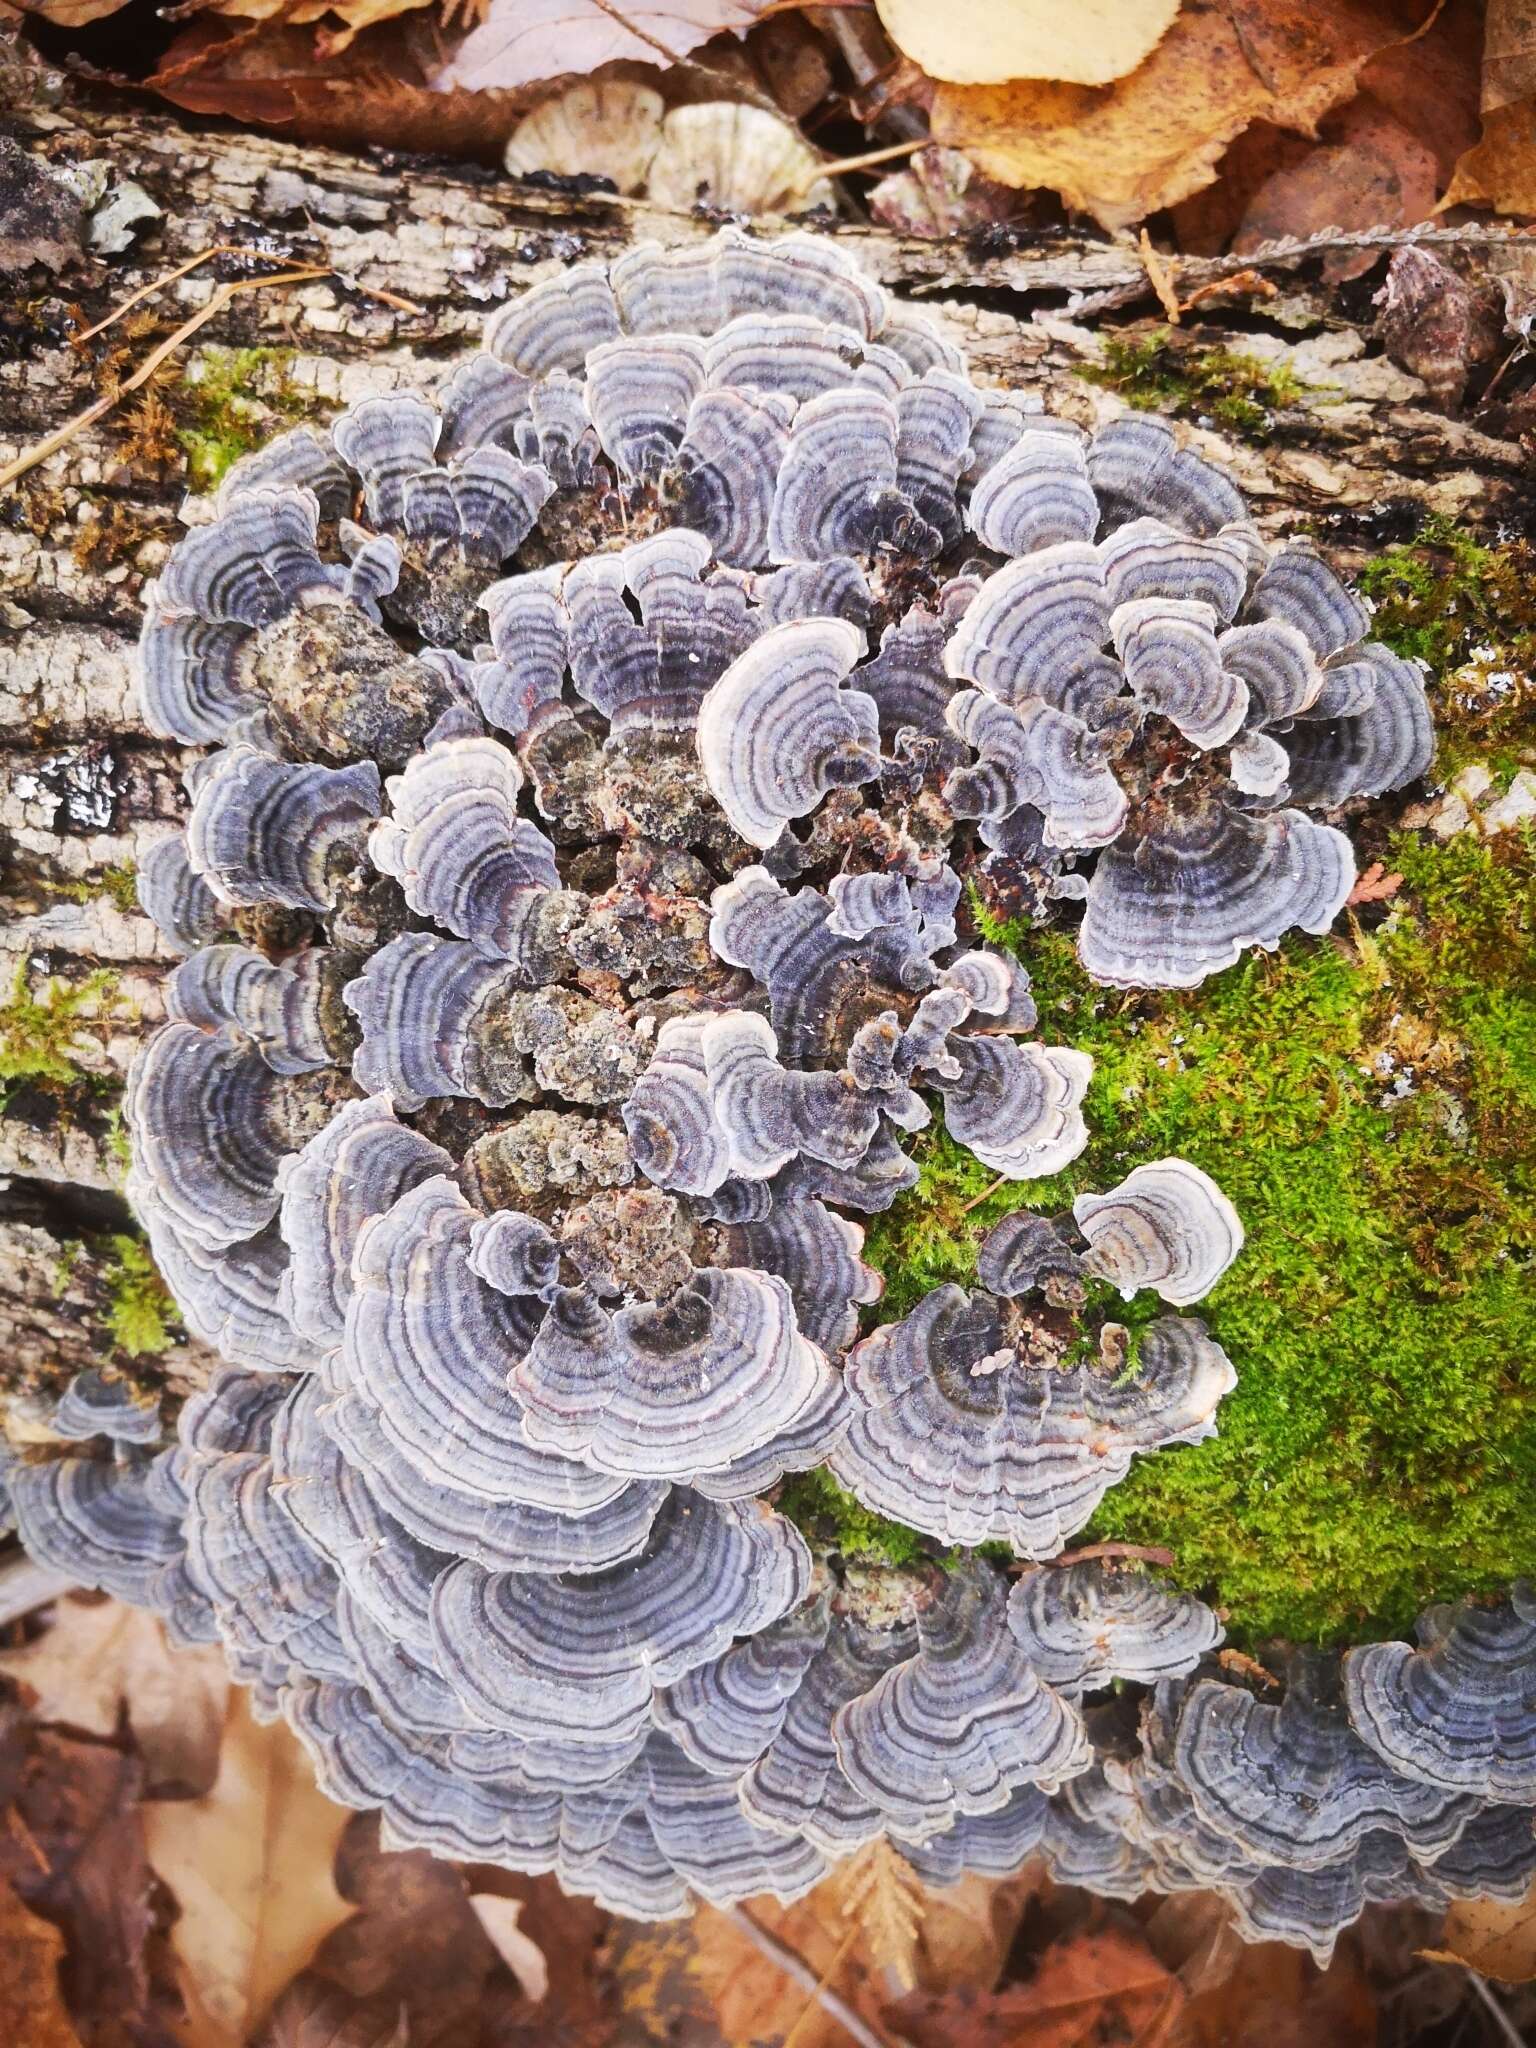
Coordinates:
[1494,1939]
[1122,151]
[99,1658]
[987,42]
[250,1865]
[1501,170]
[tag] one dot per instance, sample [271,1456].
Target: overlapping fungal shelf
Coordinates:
[591,757]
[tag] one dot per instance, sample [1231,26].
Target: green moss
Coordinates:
[1469,610]
[225,407]
[816,1504]
[39,1034]
[1239,392]
[118,882]
[1380,1447]
[140,1313]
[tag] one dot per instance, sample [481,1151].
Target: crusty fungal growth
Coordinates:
[573,903]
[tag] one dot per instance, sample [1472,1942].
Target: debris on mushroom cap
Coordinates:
[1166,1226]
[1293,1784]
[1082,1626]
[957,1727]
[957,1432]
[1457,1711]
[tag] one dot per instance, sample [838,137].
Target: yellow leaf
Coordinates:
[1495,1940]
[31,2009]
[1125,150]
[986,42]
[250,1865]
[99,1656]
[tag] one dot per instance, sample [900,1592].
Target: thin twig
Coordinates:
[158,284]
[1495,2011]
[813,1998]
[865,162]
[985,1196]
[1142,1553]
[800,1972]
[1161,272]
[29,458]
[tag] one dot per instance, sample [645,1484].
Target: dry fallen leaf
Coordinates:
[1501,171]
[100,1656]
[1493,1939]
[987,42]
[1370,172]
[1122,151]
[31,2005]
[1279,1998]
[525,42]
[1099,1987]
[250,1865]
[1375,886]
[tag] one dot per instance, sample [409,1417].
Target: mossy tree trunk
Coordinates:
[408,255]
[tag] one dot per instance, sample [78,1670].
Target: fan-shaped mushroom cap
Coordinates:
[729,459]
[1276,662]
[238,992]
[1457,1712]
[1018,1107]
[231,1296]
[462,855]
[1035,755]
[1192,899]
[776,732]
[669,1114]
[670,1389]
[269,831]
[1294,1785]
[1173,666]
[581,1654]
[957,1727]
[768,1113]
[192,674]
[93,1405]
[210,1124]
[700,1829]
[1387,744]
[1012,1452]
[725,1713]
[1036,495]
[1018,1253]
[1300,589]
[1138,469]
[1083,1840]
[982,1844]
[1036,629]
[797,1786]
[423,1004]
[177,899]
[97,1524]
[816,1254]
[356,1167]
[935,418]
[429,1347]
[1082,1626]
[1166,1226]
[742,158]
[604,128]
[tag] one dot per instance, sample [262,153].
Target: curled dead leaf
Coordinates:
[1493,1939]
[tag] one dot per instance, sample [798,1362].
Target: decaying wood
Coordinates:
[86,790]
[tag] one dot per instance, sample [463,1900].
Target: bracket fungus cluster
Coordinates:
[584,771]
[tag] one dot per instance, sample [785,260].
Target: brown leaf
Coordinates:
[72,1847]
[1279,1998]
[31,2005]
[1493,1939]
[1098,1989]
[988,42]
[1501,170]
[71,13]
[1122,151]
[1371,172]
[528,42]
[312,2013]
[100,1657]
[250,1865]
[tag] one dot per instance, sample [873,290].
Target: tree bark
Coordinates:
[412,255]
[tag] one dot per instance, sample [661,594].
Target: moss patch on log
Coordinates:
[1224,386]
[233,400]
[1366,1102]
